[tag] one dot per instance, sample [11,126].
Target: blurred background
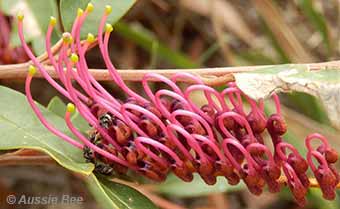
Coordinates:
[197,34]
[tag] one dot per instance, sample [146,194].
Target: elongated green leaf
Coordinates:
[57,106]
[323,84]
[175,187]
[68,9]
[146,40]
[306,104]
[37,13]
[315,197]
[112,195]
[20,128]
[80,122]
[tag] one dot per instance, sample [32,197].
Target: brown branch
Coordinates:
[23,152]
[219,201]
[25,157]
[26,160]
[211,76]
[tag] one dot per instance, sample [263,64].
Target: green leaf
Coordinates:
[38,45]
[323,84]
[306,104]
[68,10]
[175,187]
[143,38]
[20,128]
[80,122]
[57,106]
[114,195]
[36,21]
[315,197]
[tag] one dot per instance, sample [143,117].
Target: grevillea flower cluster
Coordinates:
[166,131]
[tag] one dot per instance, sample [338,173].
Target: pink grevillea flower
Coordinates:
[294,168]
[325,172]
[167,131]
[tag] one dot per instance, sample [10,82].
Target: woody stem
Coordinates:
[210,76]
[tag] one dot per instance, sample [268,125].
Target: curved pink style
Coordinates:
[251,162]
[239,119]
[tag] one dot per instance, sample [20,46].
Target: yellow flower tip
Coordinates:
[80,12]
[89,7]
[70,108]
[90,38]
[53,21]
[108,28]
[108,9]
[67,38]
[74,58]
[20,16]
[32,70]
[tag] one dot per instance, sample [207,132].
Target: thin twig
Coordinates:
[219,201]
[211,76]
[25,157]
[23,152]
[26,160]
